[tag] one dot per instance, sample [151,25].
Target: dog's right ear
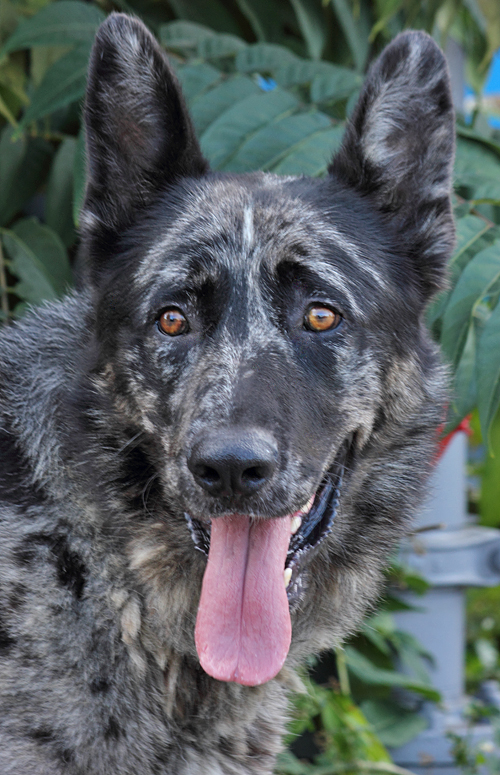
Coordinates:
[139,135]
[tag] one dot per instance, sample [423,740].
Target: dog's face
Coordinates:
[263,336]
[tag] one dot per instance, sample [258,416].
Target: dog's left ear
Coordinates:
[139,135]
[398,150]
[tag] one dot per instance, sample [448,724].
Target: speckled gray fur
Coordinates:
[99,576]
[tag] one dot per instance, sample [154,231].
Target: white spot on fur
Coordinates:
[131,622]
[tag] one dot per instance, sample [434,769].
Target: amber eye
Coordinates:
[173,322]
[319,318]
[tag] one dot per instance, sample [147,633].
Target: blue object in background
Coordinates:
[492,85]
[266,84]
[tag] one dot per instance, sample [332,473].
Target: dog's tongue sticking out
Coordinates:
[243,628]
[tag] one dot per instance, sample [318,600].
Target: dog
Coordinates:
[210,447]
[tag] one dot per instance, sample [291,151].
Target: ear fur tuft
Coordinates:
[399,148]
[139,135]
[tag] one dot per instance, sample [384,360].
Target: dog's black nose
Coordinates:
[233,462]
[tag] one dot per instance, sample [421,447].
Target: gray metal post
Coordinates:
[455,554]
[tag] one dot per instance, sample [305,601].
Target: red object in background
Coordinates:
[464,427]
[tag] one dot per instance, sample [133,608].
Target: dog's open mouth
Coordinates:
[253,575]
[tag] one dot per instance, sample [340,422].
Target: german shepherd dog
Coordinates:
[209,449]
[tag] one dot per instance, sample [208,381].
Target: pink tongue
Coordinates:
[243,627]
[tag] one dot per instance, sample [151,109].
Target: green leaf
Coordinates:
[63,84]
[478,277]
[478,169]
[469,241]
[369,673]
[313,155]
[464,383]
[61,23]
[183,35]
[211,104]
[356,30]
[465,131]
[24,164]
[312,25]
[35,285]
[263,58]
[46,245]
[488,371]
[79,177]
[218,46]
[394,725]
[338,83]
[238,123]
[196,79]
[300,71]
[59,193]
[275,141]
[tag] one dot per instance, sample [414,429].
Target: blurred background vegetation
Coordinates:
[270,84]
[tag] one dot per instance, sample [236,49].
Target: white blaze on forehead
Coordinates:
[248,234]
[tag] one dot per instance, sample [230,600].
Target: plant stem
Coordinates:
[345,687]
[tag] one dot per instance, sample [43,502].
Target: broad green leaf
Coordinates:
[58,24]
[300,71]
[338,83]
[35,285]
[46,245]
[476,280]
[263,58]
[24,164]
[79,177]
[488,371]
[269,145]
[313,155]
[218,46]
[471,231]
[41,59]
[312,25]
[237,124]
[477,168]
[356,30]
[385,13]
[183,35]
[464,383]
[393,725]
[63,84]
[211,104]
[465,131]
[59,193]
[369,673]
[196,79]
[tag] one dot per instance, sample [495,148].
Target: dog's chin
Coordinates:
[309,525]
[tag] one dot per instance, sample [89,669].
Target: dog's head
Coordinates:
[263,338]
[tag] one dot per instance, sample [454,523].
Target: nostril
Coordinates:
[255,474]
[208,474]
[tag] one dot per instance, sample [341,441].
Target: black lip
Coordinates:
[315,527]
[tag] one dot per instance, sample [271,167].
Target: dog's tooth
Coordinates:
[295,524]
[287,575]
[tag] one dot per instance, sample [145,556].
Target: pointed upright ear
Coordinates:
[398,150]
[139,135]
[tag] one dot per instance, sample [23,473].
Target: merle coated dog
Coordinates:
[208,451]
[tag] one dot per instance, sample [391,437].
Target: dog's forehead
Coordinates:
[249,221]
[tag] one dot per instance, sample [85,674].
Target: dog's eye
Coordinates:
[319,318]
[172,322]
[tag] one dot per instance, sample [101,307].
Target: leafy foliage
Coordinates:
[257,104]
